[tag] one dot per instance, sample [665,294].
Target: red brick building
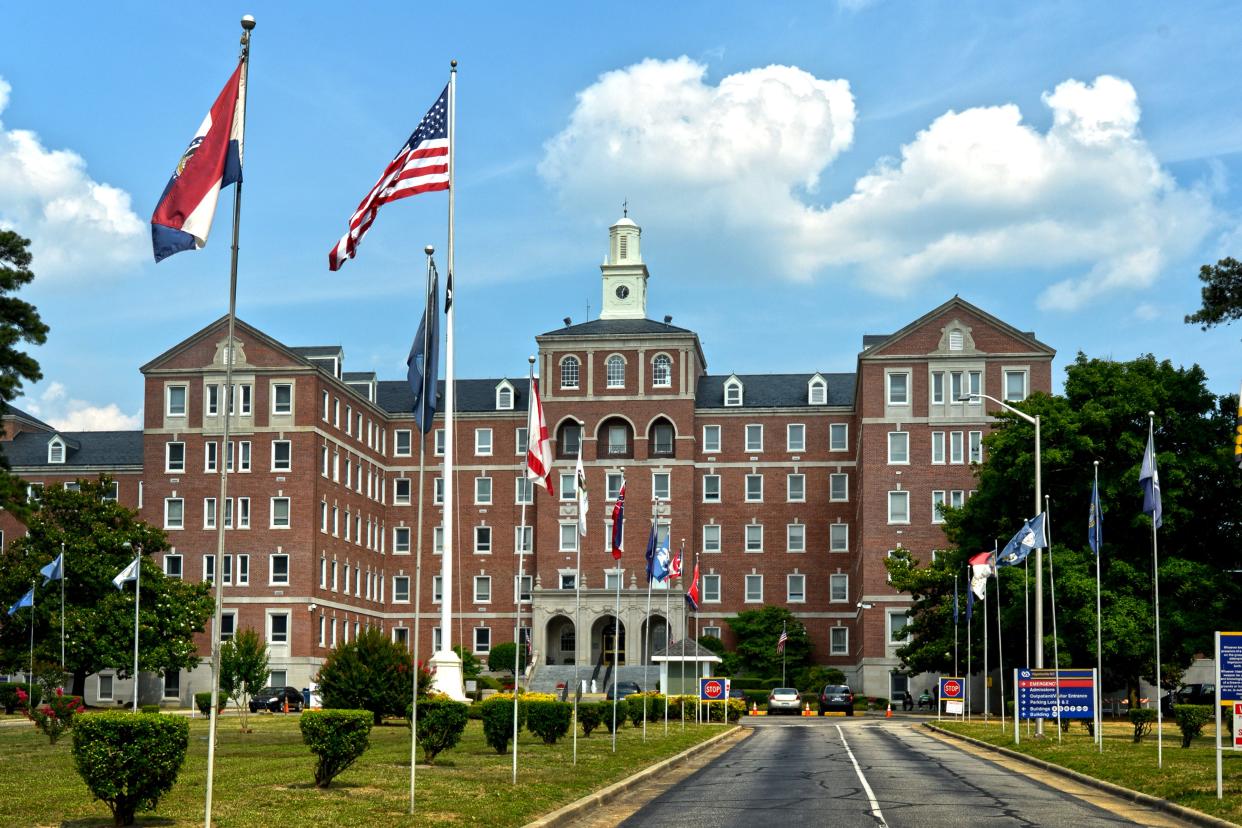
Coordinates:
[790,488]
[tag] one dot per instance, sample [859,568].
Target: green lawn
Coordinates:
[1188,777]
[264,778]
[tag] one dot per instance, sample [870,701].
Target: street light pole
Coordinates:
[1039,552]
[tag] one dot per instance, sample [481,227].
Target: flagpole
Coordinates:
[616,621]
[247,24]
[987,695]
[1099,641]
[956,624]
[422,409]
[668,649]
[62,610]
[30,673]
[782,655]
[1155,576]
[1026,615]
[698,667]
[137,597]
[517,602]
[1000,636]
[969,641]
[1052,586]
[645,639]
[579,483]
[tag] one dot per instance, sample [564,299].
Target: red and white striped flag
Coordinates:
[674,569]
[780,642]
[421,166]
[538,445]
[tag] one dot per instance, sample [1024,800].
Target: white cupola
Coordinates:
[624,274]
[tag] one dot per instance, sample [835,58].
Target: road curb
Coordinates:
[569,814]
[1179,811]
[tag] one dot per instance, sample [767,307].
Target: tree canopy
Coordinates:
[1102,417]
[19,322]
[758,631]
[99,618]
[1222,294]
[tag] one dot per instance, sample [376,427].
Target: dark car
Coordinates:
[274,698]
[623,688]
[737,693]
[1189,694]
[836,697]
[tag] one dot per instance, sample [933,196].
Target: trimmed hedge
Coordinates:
[441,722]
[622,713]
[129,761]
[549,720]
[591,716]
[149,708]
[497,714]
[1142,718]
[1191,718]
[654,703]
[8,695]
[337,737]
[203,702]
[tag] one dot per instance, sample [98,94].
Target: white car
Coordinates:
[784,700]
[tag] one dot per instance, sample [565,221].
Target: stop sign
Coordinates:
[952,688]
[713,689]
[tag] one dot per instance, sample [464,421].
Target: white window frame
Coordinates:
[665,362]
[711,538]
[400,546]
[838,641]
[482,640]
[524,490]
[483,490]
[890,387]
[524,539]
[795,537]
[288,464]
[957,448]
[399,499]
[899,448]
[752,537]
[169,521]
[817,391]
[483,442]
[483,547]
[838,538]
[504,397]
[613,481]
[838,588]
[754,445]
[752,578]
[437,442]
[711,588]
[397,582]
[172,466]
[610,380]
[795,595]
[271,627]
[169,410]
[889,629]
[937,448]
[939,500]
[903,497]
[168,571]
[574,382]
[734,393]
[273,519]
[1024,373]
[843,479]
[795,488]
[754,488]
[936,387]
[273,574]
[795,437]
[484,596]
[974,446]
[399,436]
[568,536]
[711,439]
[844,430]
[710,481]
[277,409]
[662,486]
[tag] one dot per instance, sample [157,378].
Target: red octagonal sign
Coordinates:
[952,689]
[713,689]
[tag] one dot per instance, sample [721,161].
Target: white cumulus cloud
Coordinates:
[1085,202]
[78,227]
[56,407]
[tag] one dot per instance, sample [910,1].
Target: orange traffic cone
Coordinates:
[754,709]
[888,714]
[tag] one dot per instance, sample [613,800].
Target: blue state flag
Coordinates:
[651,553]
[54,571]
[955,601]
[660,567]
[424,360]
[1149,477]
[1030,536]
[26,600]
[1095,522]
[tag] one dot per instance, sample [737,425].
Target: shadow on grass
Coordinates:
[97,821]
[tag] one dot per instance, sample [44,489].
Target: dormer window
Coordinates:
[957,340]
[817,391]
[56,450]
[504,396]
[733,392]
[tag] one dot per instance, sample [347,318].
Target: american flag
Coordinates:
[780,642]
[618,522]
[421,166]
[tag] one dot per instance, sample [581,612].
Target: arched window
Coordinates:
[569,372]
[817,391]
[733,392]
[616,371]
[504,397]
[618,438]
[568,439]
[662,371]
[660,440]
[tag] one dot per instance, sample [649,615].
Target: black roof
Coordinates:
[617,327]
[85,448]
[686,649]
[309,351]
[473,395]
[873,339]
[774,390]
[357,376]
[11,410]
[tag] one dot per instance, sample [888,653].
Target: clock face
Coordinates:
[622,292]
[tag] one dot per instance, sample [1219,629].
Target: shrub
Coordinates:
[757,697]
[590,716]
[549,720]
[654,703]
[369,673]
[55,717]
[1142,718]
[203,702]
[9,699]
[498,720]
[622,711]
[129,761]
[500,658]
[815,677]
[441,721]
[1191,718]
[337,737]
[150,708]
[736,709]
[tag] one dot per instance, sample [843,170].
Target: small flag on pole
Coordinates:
[674,567]
[538,445]
[212,161]
[692,594]
[1030,536]
[618,521]
[55,570]
[424,360]
[980,571]
[955,601]
[1149,477]
[580,492]
[129,573]
[26,600]
[1095,522]
[420,166]
[780,642]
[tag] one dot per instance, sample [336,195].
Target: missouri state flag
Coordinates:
[212,161]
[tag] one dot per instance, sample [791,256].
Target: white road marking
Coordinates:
[875,806]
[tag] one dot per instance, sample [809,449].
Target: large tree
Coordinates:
[757,633]
[19,322]
[1101,417]
[99,618]
[1222,294]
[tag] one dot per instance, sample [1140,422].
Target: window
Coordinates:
[975,445]
[228,625]
[438,443]
[754,438]
[569,440]
[482,640]
[213,401]
[569,372]
[711,438]
[937,447]
[281,455]
[519,441]
[522,539]
[55,451]
[937,387]
[795,437]
[838,436]
[437,591]
[838,588]
[711,537]
[711,589]
[732,392]
[955,447]
[613,483]
[1015,386]
[483,442]
[401,589]
[174,457]
[324,463]
[504,397]
[336,574]
[795,488]
[838,487]
[569,537]
[176,401]
[569,580]
[662,439]
[174,513]
[795,537]
[324,398]
[839,537]
[839,641]
[754,488]
[401,491]
[662,371]
[482,491]
[280,513]
[401,636]
[754,537]
[754,589]
[898,388]
[897,622]
[660,488]
[525,491]
[278,629]
[898,507]
[282,398]
[437,490]
[522,588]
[483,540]
[172,566]
[209,513]
[898,447]
[817,392]
[615,370]
[711,488]
[567,487]
[711,631]
[437,540]
[938,502]
[618,440]
[244,450]
[105,688]
[482,589]
[957,498]
[349,419]
[795,588]
[612,577]
[975,377]
[402,444]
[243,408]
[279,570]
[323,573]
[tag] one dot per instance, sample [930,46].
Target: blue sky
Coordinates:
[803,173]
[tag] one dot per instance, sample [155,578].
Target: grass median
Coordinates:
[1187,778]
[265,778]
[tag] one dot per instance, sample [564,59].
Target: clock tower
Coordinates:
[625,275]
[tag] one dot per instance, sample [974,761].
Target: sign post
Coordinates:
[1228,692]
[1054,694]
[714,689]
[952,696]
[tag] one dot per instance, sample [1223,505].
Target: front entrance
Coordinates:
[608,637]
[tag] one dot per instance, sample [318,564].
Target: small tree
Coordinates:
[129,761]
[1191,718]
[441,722]
[590,716]
[549,720]
[1142,718]
[337,737]
[500,659]
[243,667]
[497,713]
[369,673]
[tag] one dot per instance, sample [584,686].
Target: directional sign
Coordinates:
[712,690]
[1237,724]
[1041,693]
[952,688]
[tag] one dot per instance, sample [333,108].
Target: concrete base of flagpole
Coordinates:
[447,675]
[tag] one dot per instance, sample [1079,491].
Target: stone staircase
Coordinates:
[548,676]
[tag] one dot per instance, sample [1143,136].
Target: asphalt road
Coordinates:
[867,772]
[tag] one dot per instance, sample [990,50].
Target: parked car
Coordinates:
[784,700]
[1189,694]
[274,698]
[836,697]
[623,688]
[737,693]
